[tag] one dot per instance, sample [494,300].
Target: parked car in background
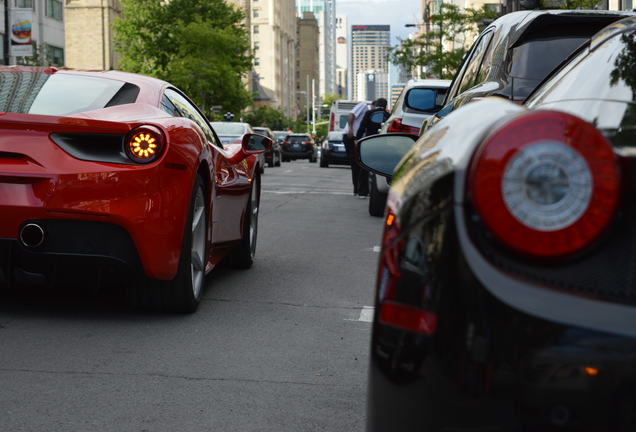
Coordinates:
[299,146]
[518,50]
[232,133]
[111,177]
[505,296]
[419,100]
[273,155]
[333,151]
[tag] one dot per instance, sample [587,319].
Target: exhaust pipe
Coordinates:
[32,235]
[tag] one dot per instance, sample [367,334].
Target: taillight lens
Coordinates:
[396,125]
[392,312]
[144,144]
[545,184]
[332,121]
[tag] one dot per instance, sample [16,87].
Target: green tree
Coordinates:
[449,26]
[267,117]
[201,46]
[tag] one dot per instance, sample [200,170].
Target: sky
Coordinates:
[396,13]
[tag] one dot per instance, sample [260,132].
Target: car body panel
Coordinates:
[40,180]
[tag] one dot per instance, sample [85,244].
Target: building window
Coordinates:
[24,4]
[257,62]
[256,45]
[55,55]
[54,9]
[256,30]
[255,13]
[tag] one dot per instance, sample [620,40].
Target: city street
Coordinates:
[280,347]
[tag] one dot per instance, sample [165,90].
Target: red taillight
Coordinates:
[332,122]
[396,125]
[545,184]
[144,144]
[285,142]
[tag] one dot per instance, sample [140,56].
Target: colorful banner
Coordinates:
[21,23]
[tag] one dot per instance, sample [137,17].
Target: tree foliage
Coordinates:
[201,46]
[441,48]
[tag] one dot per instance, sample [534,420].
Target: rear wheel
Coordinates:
[183,293]
[243,255]
[323,162]
[270,163]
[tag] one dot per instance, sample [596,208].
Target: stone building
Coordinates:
[88,33]
[307,62]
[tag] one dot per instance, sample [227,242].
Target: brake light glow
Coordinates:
[545,184]
[408,317]
[396,125]
[144,144]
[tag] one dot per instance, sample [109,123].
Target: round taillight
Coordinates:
[144,144]
[545,184]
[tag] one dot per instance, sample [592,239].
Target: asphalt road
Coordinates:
[280,347]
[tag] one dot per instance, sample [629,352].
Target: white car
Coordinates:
[419,100]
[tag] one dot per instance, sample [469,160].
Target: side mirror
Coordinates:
[380,154]
[377,117]
[421,99]
[255,143]
[251,143]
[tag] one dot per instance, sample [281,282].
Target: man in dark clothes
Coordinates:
[350,132]
[370,125]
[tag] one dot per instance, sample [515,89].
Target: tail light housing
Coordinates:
[144,144]
[396,125]
[546,184]
[332,121]
[392,312]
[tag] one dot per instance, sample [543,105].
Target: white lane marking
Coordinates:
[377,249]
[366,314]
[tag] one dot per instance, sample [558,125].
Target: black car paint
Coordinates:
[493,73]
[510,353]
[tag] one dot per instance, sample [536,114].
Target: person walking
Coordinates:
[350,131]
[370,125]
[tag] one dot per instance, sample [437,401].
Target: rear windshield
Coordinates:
[61,94]
[335,136]
[533,60]
[343,120]
[222,128]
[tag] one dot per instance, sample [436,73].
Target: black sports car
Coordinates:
[506,287]
[516,52]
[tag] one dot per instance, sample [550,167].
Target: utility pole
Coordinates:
[313,106]
[307,102]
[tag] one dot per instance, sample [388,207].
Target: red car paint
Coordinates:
[39,180]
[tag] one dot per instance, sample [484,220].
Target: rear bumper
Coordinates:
[72,250]
[298,155]
[335,157]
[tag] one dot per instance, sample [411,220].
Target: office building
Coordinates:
[369,50]
[325,13]
[342,57]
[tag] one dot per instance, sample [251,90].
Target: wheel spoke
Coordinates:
[197,218]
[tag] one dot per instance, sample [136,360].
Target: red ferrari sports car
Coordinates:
[114,175]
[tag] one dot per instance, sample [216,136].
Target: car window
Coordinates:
[61,94]
[229,128]
[343,120]
[188,110]
[169,107]
[474,64]
[458,79]
[608,73]
[534,59]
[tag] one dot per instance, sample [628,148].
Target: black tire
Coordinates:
[285,159]
[313,159]
[377,199]
[271,162]
[323,163]
[242,256]
[183,293]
